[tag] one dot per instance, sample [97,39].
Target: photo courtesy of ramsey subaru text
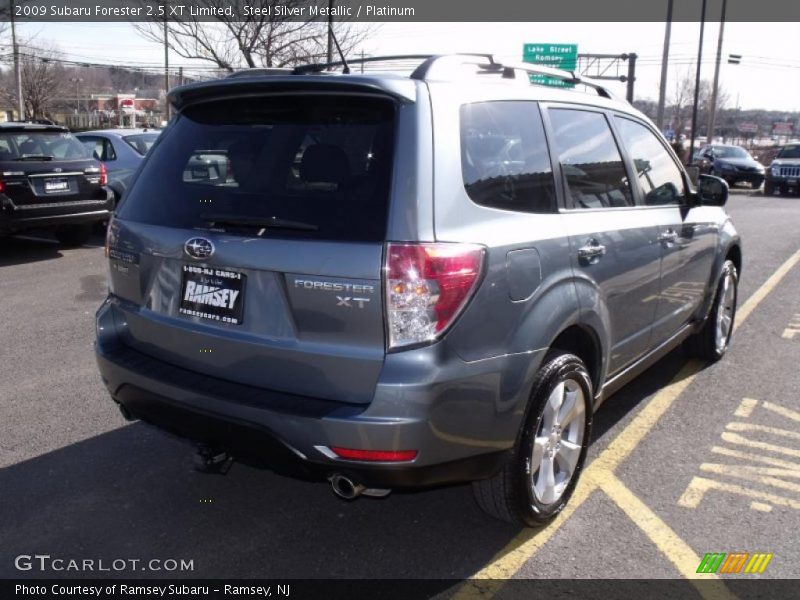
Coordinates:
[394,282]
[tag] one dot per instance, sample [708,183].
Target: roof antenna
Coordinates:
[346,69]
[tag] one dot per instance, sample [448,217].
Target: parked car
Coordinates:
[733,163]
[48,180]
[121,151]
[408,281]
[783,174]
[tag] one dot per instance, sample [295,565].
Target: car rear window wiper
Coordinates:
[35,157]
[260,222]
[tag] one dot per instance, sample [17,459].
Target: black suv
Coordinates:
[49,180]
[783,174]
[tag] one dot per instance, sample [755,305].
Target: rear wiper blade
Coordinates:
[261,222]
[35,157]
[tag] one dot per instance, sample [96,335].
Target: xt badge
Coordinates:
[346,300]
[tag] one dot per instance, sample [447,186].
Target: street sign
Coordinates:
[557,56]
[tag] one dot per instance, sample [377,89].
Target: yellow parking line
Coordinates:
[745,309]
[622,445]
[527,543]
[671,545]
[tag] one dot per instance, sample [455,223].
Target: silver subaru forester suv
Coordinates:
[394,281]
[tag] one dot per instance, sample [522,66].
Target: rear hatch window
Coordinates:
[40,145]
[298,166]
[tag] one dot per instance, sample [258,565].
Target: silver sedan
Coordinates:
[121,151]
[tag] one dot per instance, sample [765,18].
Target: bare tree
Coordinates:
[681,100]
[262,39]
[42,82]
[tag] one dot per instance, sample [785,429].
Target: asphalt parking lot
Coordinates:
[686,460]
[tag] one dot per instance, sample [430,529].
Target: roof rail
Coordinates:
[565,76]
[486,63]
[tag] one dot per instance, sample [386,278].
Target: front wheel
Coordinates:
[712,341]
[541,474]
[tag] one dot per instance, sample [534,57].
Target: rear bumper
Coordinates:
[19,218]
[462,418]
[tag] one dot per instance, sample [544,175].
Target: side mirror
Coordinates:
[712,190]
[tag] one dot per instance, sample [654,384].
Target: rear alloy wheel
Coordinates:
[540,476]
[72,236]
[712,341]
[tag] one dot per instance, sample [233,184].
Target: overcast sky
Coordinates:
[768,76]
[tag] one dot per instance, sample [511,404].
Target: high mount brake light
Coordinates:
[427,286]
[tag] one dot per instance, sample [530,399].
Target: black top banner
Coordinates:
[394,10]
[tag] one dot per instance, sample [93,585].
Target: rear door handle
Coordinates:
[670,236]
[592,251]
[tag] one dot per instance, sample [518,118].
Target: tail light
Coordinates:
[427,286]
[2,187]
[103,174]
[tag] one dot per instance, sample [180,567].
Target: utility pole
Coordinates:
[330,31]
[631,76]
[662,92]
[697,82]
[712,111]
[180,75]
[17,66]
[166,63]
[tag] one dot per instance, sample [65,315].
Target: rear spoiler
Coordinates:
[402,89]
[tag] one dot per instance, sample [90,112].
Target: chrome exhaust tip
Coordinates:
[346,488]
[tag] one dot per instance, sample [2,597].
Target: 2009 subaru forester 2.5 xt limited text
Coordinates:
[395,282]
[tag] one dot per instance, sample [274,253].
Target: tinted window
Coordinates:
[658,177]
[40,144]
[504,157]
[730,152]
[789,152]
[323,161]
[592,167]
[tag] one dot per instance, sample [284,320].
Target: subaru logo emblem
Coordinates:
[198,247]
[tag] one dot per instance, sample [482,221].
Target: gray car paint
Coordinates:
[465,394]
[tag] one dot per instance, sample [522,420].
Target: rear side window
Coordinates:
[318,165]
[504,158]
[658,177]
[141,142]
[100,148]
[591,164]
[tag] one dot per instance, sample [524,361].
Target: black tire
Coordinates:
[769,189]
[72,236]
[509,494]
[704,344]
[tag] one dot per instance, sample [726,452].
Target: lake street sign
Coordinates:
[557,56]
